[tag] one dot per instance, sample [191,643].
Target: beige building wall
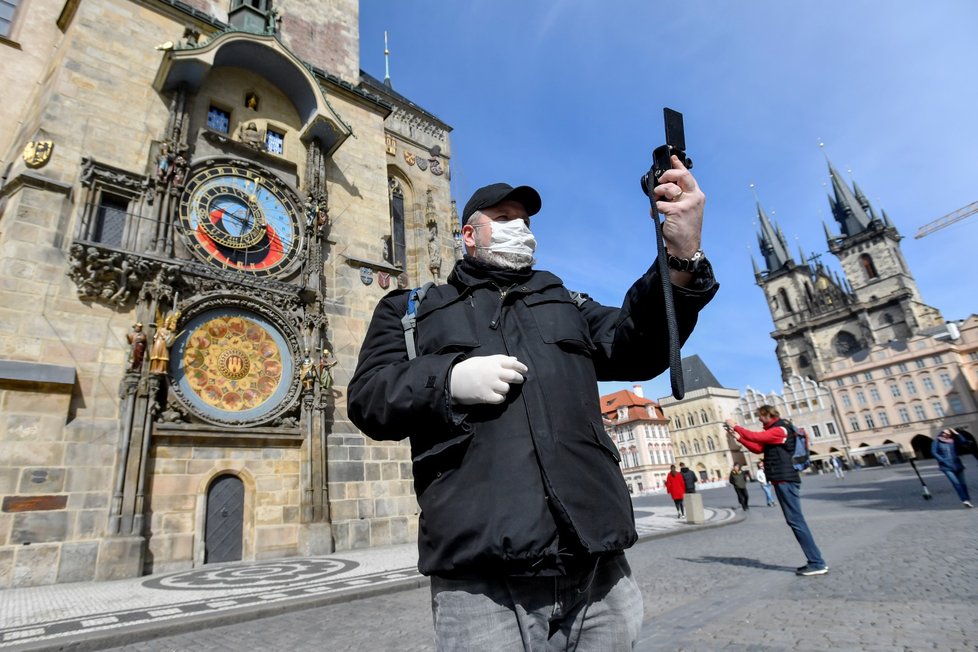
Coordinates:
[904,393]
[696,430]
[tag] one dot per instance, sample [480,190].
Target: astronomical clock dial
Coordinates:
[240,219]
[232,365]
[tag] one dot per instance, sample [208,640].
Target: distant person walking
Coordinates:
[777,442]
[676,487]
[765,485]
[689,477]
[947,449]
[738,480]
[837,467]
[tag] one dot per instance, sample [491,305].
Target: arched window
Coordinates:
[846,343]
[697,448]
[710,446]
[867,262]
[396,248]
[703,416]
[682,448]
[689,419]
[784,300]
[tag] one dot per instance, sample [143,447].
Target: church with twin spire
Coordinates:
[820,316]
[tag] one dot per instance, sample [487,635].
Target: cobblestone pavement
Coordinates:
[904,576]
[96,615]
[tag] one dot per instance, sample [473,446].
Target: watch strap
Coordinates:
[686,264]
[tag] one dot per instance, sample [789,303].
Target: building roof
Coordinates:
[696,375]
[637,407]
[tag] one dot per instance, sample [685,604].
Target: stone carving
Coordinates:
[415,121]
[326,364]
[251,136]
[104,275]
[307,372]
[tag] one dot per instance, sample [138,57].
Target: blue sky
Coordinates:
[567,96]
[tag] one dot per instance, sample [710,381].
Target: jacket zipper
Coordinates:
[494,324]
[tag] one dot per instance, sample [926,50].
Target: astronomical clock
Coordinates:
[238,218]
[234,360]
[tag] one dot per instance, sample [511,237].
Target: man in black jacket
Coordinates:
[524,510]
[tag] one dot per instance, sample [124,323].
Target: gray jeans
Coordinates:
[599,609]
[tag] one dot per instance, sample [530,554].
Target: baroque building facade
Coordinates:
[640,430]
[897,372]
[196,222]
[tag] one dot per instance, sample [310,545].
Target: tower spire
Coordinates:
[387,63]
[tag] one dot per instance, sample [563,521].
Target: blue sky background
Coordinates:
[567,96]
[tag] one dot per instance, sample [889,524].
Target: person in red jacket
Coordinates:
[777,443]
[676,487]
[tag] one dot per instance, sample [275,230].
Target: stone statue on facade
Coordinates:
[166,333]
[326,364]
[137,347]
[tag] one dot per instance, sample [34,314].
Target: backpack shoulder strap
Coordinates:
[579,298]
[409,320]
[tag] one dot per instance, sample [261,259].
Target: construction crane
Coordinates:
[947,220]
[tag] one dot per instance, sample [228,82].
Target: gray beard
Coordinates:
[503,259]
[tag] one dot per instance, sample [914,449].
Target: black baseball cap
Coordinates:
[494,193]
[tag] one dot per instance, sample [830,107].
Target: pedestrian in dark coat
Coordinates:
[521,494]
[946,449]
[688,477]
[676,488]
[738,480]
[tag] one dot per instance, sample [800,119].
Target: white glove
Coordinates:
[485,379]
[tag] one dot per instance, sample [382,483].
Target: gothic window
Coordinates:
[784,300]
[710,445]
[697,447]
[399,248]
[703,416]
[218,119]
[682,448]
[274,141]
[689,419]
[846,344]
[110,220]
[867,262]
[7,10]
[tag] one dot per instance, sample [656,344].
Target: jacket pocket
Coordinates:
[442,458]
[447,329]
[602,439]
[559,321]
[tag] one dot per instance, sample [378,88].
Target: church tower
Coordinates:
[818,315]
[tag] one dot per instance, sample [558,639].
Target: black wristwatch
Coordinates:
[686,264]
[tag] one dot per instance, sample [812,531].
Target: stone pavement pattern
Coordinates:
[904,577]
[96,615]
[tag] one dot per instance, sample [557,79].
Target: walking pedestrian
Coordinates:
[765,485]
[777,443]
[947,449]
[738,480]
[676,487]
[688,477]
[525,514]
[837,467]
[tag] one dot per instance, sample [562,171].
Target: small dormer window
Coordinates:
[218,119]
[622,413]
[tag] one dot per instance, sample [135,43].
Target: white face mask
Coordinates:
[511,245]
